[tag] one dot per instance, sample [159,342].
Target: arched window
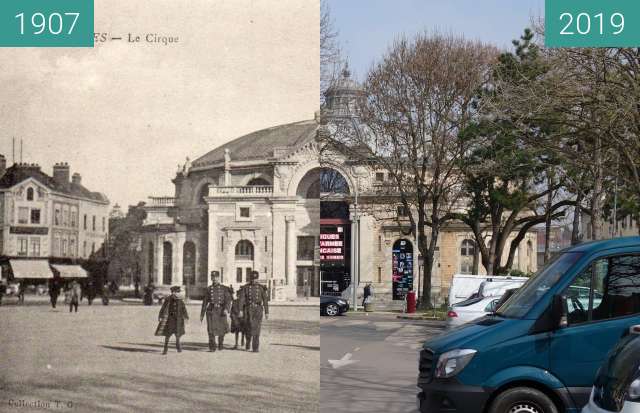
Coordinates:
[29,194]
[244,250]
[467,256]
[258,182]
[203,193]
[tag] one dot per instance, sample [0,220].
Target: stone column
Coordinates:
[177,259]
[292,255]
[159,260]
[212,238]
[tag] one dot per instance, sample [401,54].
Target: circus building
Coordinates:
[250,204]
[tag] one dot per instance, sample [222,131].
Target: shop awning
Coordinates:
[31,269]
[70,271]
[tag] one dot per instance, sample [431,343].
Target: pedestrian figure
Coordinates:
[237,323]
[148,294]
[307,290]
[136,285]
[91,291]
[171,319]
[3,290]
[105,294]
[21,288]
[253,301]
[74,295]
[216,305]
[367,294]
[54,291]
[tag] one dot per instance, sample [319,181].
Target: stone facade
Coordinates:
[44,216]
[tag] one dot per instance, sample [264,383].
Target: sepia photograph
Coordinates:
[158,218]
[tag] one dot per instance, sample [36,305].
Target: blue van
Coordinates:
[540,351]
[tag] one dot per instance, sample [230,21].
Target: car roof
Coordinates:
[605,244]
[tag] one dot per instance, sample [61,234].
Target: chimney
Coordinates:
[3,165]
[76,178]
[61,173]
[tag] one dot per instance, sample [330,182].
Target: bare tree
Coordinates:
[330,53]
[417,98]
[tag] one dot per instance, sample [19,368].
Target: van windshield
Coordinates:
[519,304]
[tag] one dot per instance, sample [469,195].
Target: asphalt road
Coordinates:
[108,359]
[369,363]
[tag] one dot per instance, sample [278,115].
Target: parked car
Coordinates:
[333,306]
[470,310]
[465,286]
[537,353]
[617,384]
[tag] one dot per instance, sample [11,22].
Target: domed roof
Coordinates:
[261,144]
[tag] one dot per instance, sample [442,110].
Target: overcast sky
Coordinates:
[368,27]
[124,116]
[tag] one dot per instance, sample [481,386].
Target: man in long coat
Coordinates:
[216,305]
[171,319]
[254,300]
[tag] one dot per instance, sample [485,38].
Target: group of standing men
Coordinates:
[246,313]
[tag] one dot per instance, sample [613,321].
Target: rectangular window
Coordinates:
[72,247]
[74,218]
[23,215]
[64,247]
[239,275]
[85,222]
[245,212]
[266,243]
[35,216]
[57,216]
[65,217]
[35,247]
[93,226]
[379,176]
[403,211]
[379,242]
[222,243]
[104,227]
[379,275]
[248,271]
[306,246]
[23,246]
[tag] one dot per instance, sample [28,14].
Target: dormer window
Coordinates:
[29,194]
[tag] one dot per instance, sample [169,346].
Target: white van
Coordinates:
[464,286]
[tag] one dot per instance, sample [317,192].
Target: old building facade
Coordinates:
[49,217]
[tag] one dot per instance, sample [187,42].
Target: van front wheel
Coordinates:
[523,400]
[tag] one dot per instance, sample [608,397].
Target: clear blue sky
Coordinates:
[368,27]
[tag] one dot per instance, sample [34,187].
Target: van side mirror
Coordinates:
[559,311]
[553,318]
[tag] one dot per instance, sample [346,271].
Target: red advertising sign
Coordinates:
[332,244]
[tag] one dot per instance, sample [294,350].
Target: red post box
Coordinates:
[411,302]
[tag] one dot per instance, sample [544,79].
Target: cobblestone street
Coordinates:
[106,358]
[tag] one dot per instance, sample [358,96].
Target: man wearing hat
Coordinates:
[216,305]
[171,319]
[254,300]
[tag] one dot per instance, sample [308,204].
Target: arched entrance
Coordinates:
[167,263]
[335,231]
[402,268]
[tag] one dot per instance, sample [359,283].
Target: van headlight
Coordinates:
[452,362]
